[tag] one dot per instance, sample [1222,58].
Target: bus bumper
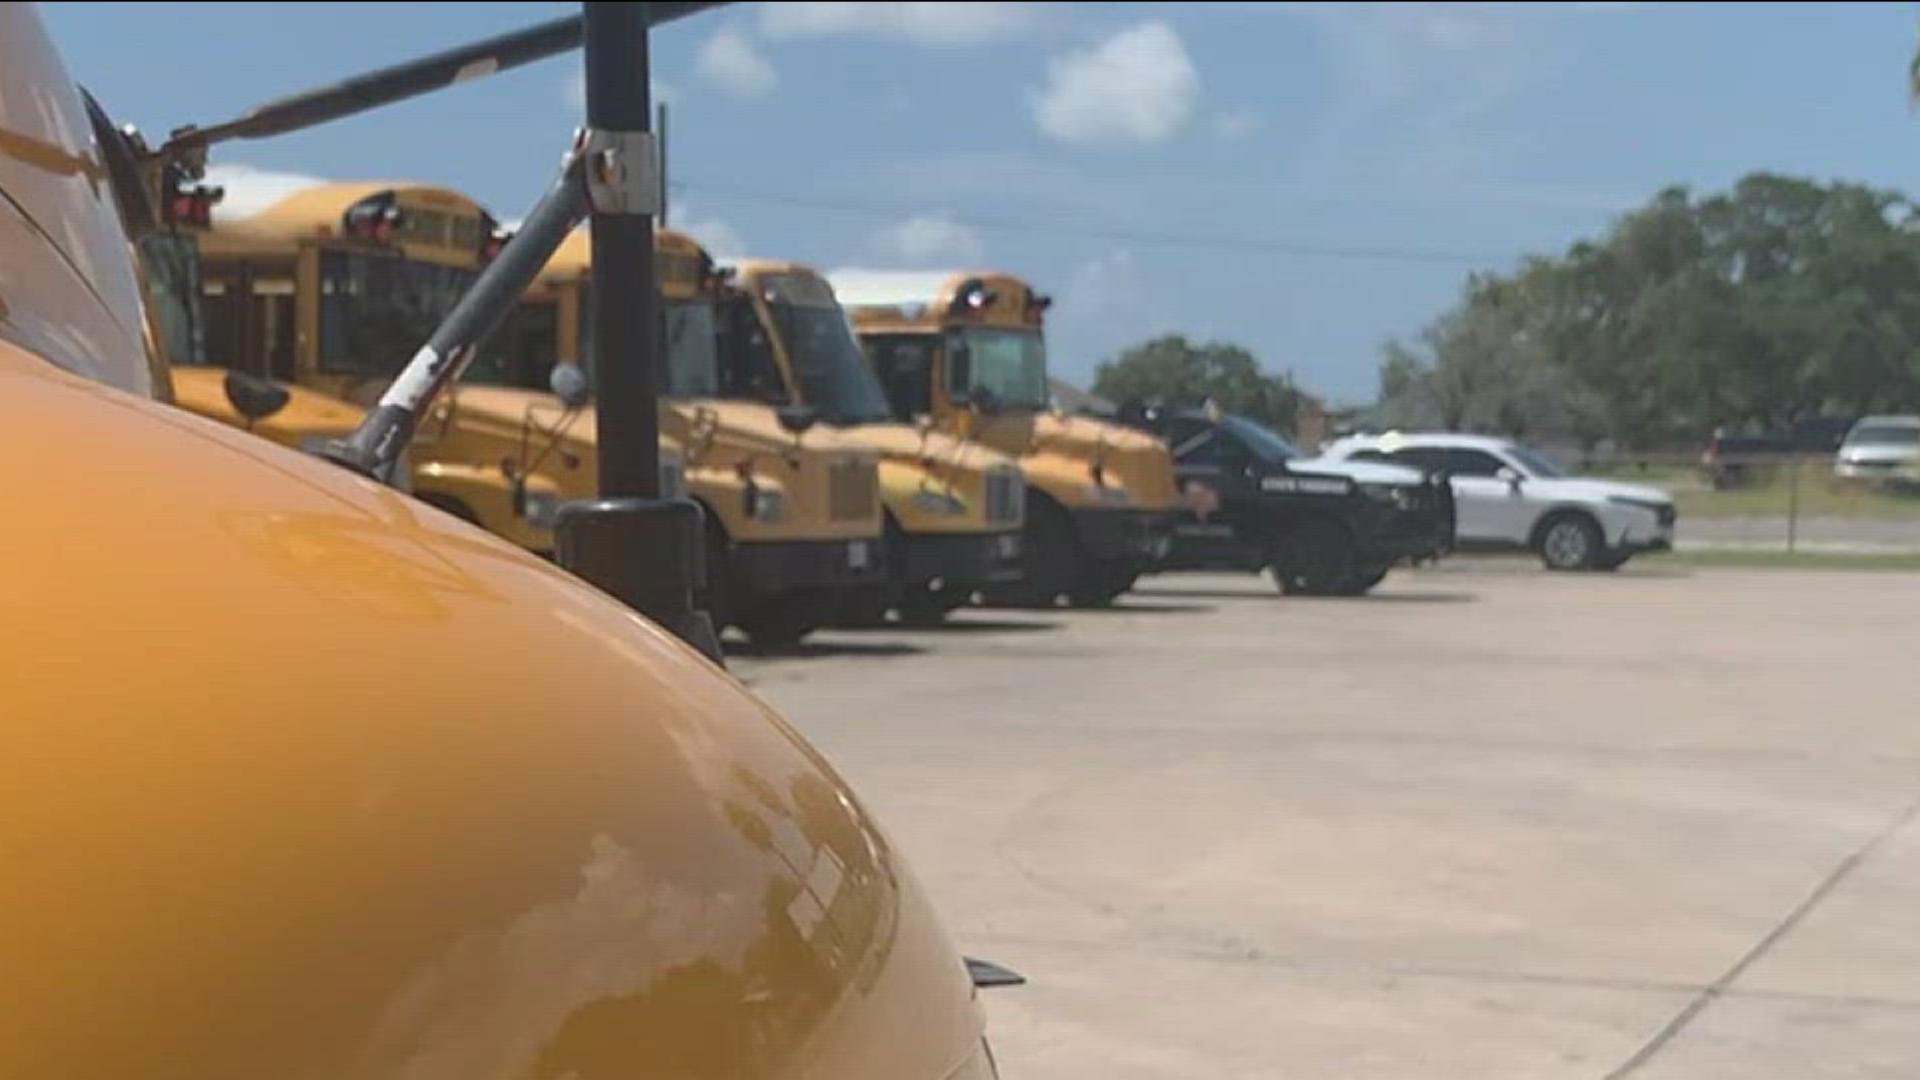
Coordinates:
[1140,538]
[773,569]
[966,560]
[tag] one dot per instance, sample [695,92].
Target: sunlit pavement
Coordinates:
[1487,823]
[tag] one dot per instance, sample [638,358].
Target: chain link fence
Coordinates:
[1777,502]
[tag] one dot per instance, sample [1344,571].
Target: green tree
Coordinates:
[1175,370]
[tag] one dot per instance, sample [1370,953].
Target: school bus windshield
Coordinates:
[377,310]
[1011,365]
[693,356]
[827,362]
[172,263]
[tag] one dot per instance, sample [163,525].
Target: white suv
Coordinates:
[1510,496]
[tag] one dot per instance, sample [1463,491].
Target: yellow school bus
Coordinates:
[326,294]
[301,777]
[967,350]
[761,335]
[793,521]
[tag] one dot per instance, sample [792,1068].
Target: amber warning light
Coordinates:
[375,218]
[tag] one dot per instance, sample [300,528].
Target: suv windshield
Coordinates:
[377,310]
[1266,444]
[1536,463]
[1009,364]
[1884,435]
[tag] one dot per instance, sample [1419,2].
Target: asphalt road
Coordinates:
[1487,823]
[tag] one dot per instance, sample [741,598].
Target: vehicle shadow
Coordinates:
[1401,598]
[955,625]
[1211,594]
[813,650]
[1122,607]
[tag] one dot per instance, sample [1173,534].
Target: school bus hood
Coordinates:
[754,427]
[902,442]
[1132,459]
[307,414]
[303,779]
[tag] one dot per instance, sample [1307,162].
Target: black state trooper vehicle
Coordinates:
[1253,502]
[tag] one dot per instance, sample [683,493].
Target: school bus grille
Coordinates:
[1005,494]
[853,491]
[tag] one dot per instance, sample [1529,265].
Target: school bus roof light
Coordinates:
[188,203]
[375,218]
[973,298]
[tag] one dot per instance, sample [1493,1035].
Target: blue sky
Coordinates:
[1307,180]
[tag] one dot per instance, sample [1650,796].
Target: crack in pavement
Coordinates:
[1718,988]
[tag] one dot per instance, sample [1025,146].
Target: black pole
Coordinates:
[643,549]
[623,306]
[660,132]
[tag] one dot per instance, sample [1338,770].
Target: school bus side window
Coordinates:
[249,315]
[905,368]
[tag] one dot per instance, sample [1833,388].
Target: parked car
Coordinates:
[1509,496]
[1882,448]
[1250,502]
[1733,460]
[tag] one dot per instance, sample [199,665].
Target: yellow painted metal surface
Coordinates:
[302,779]
[494,825]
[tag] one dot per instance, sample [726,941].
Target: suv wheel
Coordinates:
[1571,542]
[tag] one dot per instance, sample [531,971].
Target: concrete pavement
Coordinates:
[1487,823]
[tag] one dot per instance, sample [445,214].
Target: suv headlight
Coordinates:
[938,502]
[542,508]
[1649,505]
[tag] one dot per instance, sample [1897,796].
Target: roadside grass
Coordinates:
[1819,496]
[1770,495]
[1799,560]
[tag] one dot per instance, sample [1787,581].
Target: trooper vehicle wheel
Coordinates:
[1570,542]
[1364,580]
[1315,559]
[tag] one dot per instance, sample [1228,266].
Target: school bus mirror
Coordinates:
[252,397]
[568,381]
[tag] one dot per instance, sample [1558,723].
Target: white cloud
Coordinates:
[921,23]
[929,237]
[251,190]
[1237,123]
[1138,86]
[719,237]
[730,61]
